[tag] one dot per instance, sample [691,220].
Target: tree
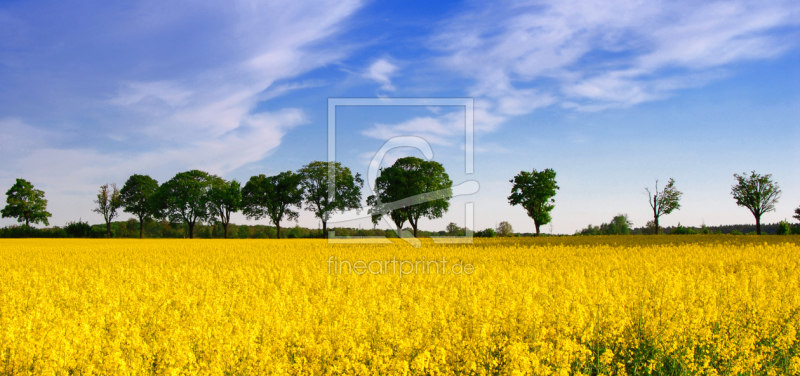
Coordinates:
[108,202]
[797,213]
[757,193]
[504,229]
[184,198]
[136,195]
[534,191]
[26,204]
[421,189]
[664,202]
[453,229]
[317,190]
[273,197]
[224,197]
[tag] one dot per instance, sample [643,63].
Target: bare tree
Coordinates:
[757,193]
[108,201]
[664,202]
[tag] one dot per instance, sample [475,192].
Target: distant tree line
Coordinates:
[198,203]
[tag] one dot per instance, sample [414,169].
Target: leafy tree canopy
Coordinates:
[26,204]
[412,188]
[273,197]
[317,188]
[756,192]
[183,198]
[534,191]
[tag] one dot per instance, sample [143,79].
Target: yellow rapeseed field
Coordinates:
[695,305]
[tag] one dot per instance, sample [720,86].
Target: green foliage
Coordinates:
[224,198]
[412,188]
[78,229]
[317,189]
[136,195]
[273,197]
[26,204]
[108,202]
[487,233]
[784,228]
[504,229]
[735,232]
[534,191]
[663,202]
[619,225]
[797,214]
[680,230]
[756,192]
[184,198]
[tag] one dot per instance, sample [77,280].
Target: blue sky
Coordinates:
[612,96]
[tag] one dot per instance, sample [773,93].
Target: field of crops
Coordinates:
[579,305]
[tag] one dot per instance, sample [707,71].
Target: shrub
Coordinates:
[784,228]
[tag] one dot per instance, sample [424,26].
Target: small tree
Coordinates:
[664,202]
[504,229]
[534,191]
[758,193]
[273,197]
[317,189]
[136,195]
[224,197]
[452,229]
[797,214]
[784,228]
[26,204]
[183,198]
[108,201]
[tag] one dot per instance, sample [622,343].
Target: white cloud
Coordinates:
[446,129]
[590,55]
[381,71]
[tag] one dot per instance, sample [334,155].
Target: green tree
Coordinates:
[504,229]
[184,198]
[453,229]
[620,225]
[108,202]
[797,213]
[534,191]
[224,198]
[758,193]
[136,197]
[318,189]
[664,202]
[273,197]
[410,189]
[26,204]
[784,228]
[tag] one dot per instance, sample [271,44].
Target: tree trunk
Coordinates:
[537,229]
[225,225]
[278,225]
[655,219]
[27,222]
[108,230]
[324,229]
[758,225]
[141,228]
[191,230]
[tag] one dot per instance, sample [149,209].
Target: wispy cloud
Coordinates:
[445,129]
[587,55]
[381,71]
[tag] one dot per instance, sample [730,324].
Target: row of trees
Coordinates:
[410,189]
[197,196]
